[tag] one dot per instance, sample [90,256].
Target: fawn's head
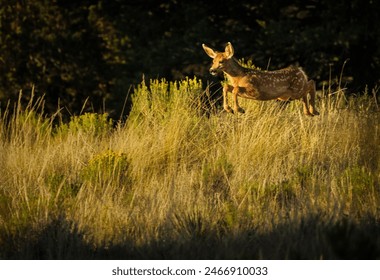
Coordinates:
[219,58]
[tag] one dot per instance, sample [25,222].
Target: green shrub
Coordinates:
[160,99]
[107,166]
[88,123]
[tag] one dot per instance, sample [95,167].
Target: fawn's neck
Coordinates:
[234,69]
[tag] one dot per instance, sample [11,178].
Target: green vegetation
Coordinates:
[182,180]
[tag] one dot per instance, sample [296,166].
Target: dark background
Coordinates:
[72,50]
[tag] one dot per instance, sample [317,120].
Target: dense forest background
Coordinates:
[99,49]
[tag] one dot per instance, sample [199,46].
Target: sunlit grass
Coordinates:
[178,181]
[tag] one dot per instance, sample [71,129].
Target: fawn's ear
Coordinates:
[229,50]
[210,52]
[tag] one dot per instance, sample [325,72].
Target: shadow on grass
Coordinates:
[309,239]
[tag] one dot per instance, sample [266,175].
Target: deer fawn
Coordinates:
[284,84]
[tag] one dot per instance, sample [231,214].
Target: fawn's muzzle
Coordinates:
[213,71]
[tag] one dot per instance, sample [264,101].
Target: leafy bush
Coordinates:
[88,123]
[107,166]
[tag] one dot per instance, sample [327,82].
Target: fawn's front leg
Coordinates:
[226,107]
[237,108]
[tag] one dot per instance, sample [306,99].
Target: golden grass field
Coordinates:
[181,180]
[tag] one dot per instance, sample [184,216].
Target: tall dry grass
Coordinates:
[175,182]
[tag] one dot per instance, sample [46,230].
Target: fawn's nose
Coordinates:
[213,71]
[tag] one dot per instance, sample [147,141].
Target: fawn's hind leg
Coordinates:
[306,110]
[311,90]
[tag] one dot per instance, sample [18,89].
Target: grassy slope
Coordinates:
[173,183]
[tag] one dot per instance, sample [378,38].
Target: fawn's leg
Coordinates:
[237,108]
[226,107]
[306,110]
[311,90]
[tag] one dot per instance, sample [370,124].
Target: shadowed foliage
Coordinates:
[308,238]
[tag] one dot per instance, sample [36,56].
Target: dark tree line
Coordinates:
[71,50]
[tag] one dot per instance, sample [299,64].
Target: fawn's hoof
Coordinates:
[228,109]
[313,111]
[307,113]
[240,110]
